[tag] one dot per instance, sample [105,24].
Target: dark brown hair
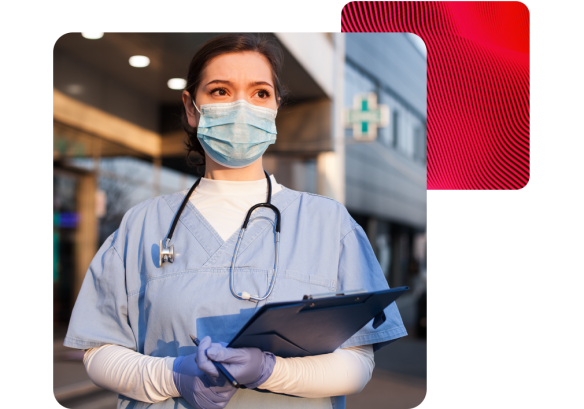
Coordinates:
[223,44]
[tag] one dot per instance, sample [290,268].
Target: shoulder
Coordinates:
[323,202]
[325,208]
[160,209]
[137,213]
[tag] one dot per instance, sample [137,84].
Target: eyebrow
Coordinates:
[251,84]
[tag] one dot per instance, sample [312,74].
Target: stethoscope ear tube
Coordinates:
[269,206]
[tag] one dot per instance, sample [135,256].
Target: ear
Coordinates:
[192,114]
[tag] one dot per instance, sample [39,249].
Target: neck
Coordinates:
[215,171]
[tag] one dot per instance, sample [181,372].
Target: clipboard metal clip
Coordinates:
[326,295]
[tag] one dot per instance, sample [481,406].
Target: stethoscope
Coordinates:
[166,253]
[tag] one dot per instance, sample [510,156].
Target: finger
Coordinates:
[202,349]
[208,367]
[227,355]
[217,353]
[217,345]
[206,342]
[202,361]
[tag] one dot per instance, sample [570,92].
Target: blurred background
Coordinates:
[353,129]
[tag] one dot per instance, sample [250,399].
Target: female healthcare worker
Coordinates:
[135,310]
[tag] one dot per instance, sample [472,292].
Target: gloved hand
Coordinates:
[249,366]
[198,387]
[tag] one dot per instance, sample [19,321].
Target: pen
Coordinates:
[219,366]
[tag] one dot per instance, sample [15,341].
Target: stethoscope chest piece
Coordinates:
[165,254]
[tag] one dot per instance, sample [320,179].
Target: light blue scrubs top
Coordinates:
[127,299]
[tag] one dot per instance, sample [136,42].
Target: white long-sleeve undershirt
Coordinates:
[149,379]
[141,377]
[343,372]
[224,203]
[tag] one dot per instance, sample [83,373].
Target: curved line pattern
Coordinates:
[478,86]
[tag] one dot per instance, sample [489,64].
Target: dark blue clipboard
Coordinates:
[313,326]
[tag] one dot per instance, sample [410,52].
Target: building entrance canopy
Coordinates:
[98,91]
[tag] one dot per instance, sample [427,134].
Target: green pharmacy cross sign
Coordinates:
[366,116]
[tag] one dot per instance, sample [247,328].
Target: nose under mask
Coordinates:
[236,134]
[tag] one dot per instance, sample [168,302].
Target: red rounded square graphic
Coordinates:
[478,86]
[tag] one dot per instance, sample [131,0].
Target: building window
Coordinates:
[424,144]
[420,144]
[95,182]
[395,129]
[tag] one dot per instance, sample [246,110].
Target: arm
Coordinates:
[343,372]
[150,379]
[141,377]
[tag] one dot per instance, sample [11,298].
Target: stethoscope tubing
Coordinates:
[272,282]
[269,205]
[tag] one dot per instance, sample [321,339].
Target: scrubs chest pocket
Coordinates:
[253,281]
[197,293]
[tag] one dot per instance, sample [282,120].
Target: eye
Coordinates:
[263,94]
[221,92]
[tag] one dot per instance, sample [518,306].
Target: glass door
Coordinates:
[65,221]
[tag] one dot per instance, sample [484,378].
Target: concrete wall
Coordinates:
[382,183]
[315,52]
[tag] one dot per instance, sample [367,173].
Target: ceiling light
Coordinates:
[139,61]
[74,89]
[92,36]
[177,83]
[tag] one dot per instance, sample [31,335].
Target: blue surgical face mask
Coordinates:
[236,134]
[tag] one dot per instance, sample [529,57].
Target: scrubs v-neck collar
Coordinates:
[220,252]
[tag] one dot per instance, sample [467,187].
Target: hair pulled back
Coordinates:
[264,44]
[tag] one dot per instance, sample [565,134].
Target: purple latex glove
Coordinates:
[249,366]
[196,385]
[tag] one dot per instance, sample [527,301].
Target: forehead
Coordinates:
[247,65]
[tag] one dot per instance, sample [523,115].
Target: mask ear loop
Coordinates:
[196,107]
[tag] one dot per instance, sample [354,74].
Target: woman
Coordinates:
[134,315]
